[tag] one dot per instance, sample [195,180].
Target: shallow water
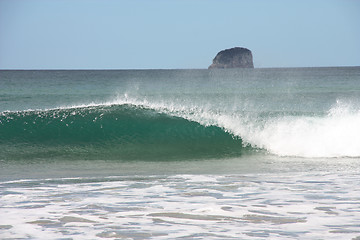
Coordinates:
[250,206]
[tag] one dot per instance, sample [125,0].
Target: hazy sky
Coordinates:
[137,34]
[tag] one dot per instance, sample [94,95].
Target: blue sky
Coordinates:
[152,34]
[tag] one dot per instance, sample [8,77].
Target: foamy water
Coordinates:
[287,206]
[336,134]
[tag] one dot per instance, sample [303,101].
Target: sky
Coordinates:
[176,34]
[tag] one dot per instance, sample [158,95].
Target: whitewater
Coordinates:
[180,154]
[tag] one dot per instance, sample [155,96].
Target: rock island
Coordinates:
[236,57]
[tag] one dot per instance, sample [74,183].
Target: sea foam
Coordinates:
[336,134]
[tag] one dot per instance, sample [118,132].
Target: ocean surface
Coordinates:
[180,154]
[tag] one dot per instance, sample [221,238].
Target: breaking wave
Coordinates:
[129,129]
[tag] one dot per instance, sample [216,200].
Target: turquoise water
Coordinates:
[174,154]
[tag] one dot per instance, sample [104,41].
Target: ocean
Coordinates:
[180,154]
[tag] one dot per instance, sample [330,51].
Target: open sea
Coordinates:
[180,154]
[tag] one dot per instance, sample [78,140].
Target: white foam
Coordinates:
[287,205]
[335,135]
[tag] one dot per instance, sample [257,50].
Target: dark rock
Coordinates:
[236,57]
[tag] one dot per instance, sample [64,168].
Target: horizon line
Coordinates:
[144,69]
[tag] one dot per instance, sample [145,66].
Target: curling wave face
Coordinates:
[110,132]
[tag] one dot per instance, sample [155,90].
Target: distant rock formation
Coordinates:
[236,57]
